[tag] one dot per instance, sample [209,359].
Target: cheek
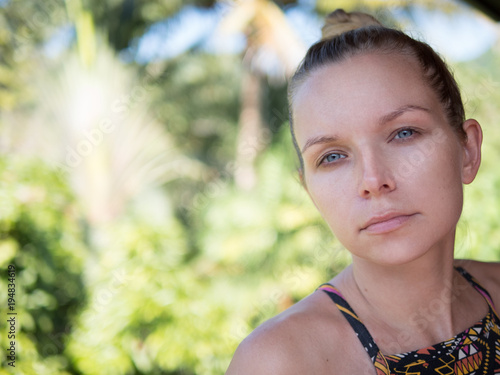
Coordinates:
[431,163]
[433,180]
[332,194]
[448,182]
[444,167]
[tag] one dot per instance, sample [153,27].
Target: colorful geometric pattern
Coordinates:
[476,351]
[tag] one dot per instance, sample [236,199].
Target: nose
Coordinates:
[376,175]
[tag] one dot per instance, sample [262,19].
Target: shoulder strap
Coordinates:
[467,276]
[356,324]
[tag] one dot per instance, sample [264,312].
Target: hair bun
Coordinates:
[339,22]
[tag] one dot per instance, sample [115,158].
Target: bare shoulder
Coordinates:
[487,273]
[303,339]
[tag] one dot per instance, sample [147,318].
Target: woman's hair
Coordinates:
[347,34]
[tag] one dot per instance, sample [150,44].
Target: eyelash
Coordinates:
[322,160]
[413,131]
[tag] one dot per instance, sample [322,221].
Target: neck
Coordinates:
[424,277]
[410,306]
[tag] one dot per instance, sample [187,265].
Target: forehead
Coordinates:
[359,89]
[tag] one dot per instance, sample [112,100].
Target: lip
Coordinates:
[386,223]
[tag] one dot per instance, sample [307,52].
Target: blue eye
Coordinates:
[333,157]
[405,133]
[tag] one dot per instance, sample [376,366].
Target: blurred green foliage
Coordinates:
[183,270]
[41,235]
[480,224]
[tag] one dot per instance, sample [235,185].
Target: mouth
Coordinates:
[386,223]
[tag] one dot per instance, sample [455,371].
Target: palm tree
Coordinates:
[269,41]
[92,120]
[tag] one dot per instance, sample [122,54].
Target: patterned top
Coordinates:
[475,351]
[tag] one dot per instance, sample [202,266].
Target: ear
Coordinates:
[472,150]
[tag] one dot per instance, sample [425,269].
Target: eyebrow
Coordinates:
[383,120]
[318,140]
[400,111]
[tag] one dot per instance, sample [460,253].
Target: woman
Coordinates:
[379,127]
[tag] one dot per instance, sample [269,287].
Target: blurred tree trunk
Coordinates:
[250,141]
[270,42]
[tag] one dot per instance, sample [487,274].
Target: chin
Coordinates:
[394,253]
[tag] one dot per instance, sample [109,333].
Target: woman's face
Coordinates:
[381,162]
